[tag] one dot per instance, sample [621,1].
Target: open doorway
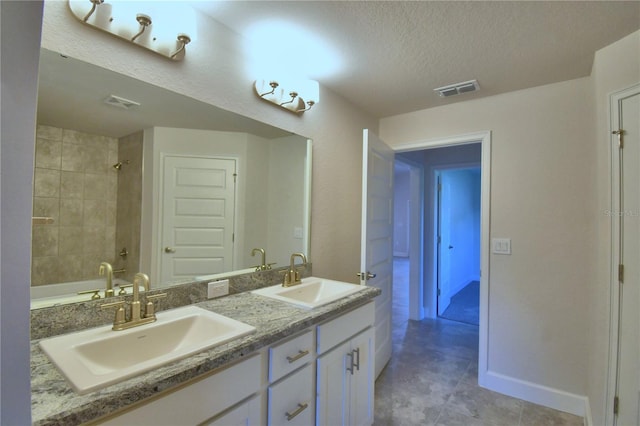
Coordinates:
[457,211]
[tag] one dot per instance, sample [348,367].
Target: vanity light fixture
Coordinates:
[295,96]
[154,25]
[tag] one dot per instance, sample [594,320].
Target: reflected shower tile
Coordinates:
[72,157]
[49,132]
[44,241]
[96,159]
[71,185]
[44,270]
[71,212]
[93,241]
[48,153]
[94,214]
[70,240]
[95,186]
[111,213]
[47,207]
[46,183]
[70,268]
[74,137]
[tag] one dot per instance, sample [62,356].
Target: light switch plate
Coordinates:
[501,245]
[217,289]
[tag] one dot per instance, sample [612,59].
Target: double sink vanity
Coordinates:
[297,355]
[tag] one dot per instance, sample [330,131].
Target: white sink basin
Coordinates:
[311,293]
[95,358]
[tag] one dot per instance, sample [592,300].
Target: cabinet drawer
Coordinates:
[196,401]
[291,401]
[342,328]
[290,355]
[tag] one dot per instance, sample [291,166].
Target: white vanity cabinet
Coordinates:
[203,400]
[290,395]
[345,373]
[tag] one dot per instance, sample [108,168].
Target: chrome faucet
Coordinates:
[135,314]
[292,276]
[105,268]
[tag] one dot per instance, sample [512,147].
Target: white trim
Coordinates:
[614,307]
[538,394]
[484,138]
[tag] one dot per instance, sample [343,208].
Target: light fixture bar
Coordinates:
[138,29]
[294,96]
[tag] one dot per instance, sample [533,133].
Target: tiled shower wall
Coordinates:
[76,185]
[129,215]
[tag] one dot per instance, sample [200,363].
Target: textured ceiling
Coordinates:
[395,53]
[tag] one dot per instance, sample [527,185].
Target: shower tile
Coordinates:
[74,137]
[96,159]
[70,268]
[44,241]
[71,212]
[70,240]
[93,241]
[111,214]
[49,132]
[46,183]
[71,185]
[72,157]
[44,270]
[95,186]
[94,214]
[47,207]
[48,153]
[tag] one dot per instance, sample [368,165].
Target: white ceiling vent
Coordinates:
[119,102]
[458,88]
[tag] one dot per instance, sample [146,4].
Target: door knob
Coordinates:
[169,250]
[369,275]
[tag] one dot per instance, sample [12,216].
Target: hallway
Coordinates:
[432,377]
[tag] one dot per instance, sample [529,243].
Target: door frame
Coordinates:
[614,292]
[484,138]
[416,237]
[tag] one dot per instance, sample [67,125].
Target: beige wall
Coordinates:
[543,198]
[213,71]
[615,67]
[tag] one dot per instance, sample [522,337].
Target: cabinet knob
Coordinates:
[169,250]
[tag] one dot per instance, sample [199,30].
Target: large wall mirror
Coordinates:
[148,180]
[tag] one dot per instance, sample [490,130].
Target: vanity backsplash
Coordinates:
[55,320]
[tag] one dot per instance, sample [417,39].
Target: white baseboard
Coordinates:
[538,394]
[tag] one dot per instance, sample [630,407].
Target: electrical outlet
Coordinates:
[217,289]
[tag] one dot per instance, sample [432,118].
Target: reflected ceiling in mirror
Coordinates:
[107,149]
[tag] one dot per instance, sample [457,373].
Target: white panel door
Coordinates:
[628,380]
[376,258]
[197,216]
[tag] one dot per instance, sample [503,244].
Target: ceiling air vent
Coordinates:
[458,88]
[119,102]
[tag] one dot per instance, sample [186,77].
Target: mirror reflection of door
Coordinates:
[198,211]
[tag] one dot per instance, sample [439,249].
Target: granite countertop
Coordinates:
[54,402]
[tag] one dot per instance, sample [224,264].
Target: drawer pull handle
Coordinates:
[296,357]
[357,362]
[300,409]
[350,368]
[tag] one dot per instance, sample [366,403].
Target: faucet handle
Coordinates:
[119,317]
[150,310]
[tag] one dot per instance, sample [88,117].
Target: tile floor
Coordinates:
[432,377]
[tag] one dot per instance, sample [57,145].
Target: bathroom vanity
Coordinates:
[300,367]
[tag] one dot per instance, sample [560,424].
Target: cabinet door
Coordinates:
[245,414]
[332,394]
[362,379]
